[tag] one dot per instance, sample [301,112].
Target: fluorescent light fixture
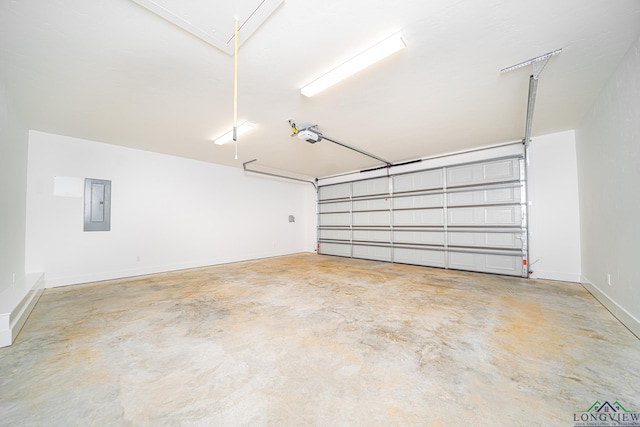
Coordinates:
[368,57]
[242,128]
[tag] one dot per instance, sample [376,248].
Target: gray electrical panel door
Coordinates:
[97,204]
[465,216]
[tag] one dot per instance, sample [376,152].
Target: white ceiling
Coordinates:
[112,71]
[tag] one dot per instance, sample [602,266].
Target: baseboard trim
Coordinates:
[13,319]
[144,271]
[554,275]
[626,318]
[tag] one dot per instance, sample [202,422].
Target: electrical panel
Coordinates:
[97,205]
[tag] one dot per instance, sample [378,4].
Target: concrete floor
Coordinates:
[316,340]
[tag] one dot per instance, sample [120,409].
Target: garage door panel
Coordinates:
[375,218]
[334,249]
[486,239]
[371,187]
[504,240]
[486,263]
[372,236]
[462,216]
[371,204]
[419,237]
[416,181]
[483,173]
[334,219]
[503,215]
[504,170]
[502,195]
[483,197]
[334,207]
[425,257]
[336,191]
[416,202]
[330,234]
[372,252]
[503,264]
[422,217]
[485,216]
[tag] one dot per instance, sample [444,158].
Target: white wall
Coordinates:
[18,292]
[13,184]
[167,213]
[554,219]
[608,152]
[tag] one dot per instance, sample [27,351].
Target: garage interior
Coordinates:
[445,236]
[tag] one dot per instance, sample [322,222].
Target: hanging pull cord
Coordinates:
[235,85]
[235,140]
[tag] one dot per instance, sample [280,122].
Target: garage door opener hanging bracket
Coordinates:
[538,64]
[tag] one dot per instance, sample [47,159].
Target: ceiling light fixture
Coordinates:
[244,127]
[368,57]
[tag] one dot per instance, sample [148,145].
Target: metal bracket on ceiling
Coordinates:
[538,66]
[538,63]
[244,166]
[534,61]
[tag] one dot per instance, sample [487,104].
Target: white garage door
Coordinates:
[466,217]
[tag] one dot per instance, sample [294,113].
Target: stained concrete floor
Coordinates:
[316,340]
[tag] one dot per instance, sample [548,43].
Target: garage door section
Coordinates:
[466,217]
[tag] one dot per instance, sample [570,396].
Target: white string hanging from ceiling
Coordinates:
[235,86]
